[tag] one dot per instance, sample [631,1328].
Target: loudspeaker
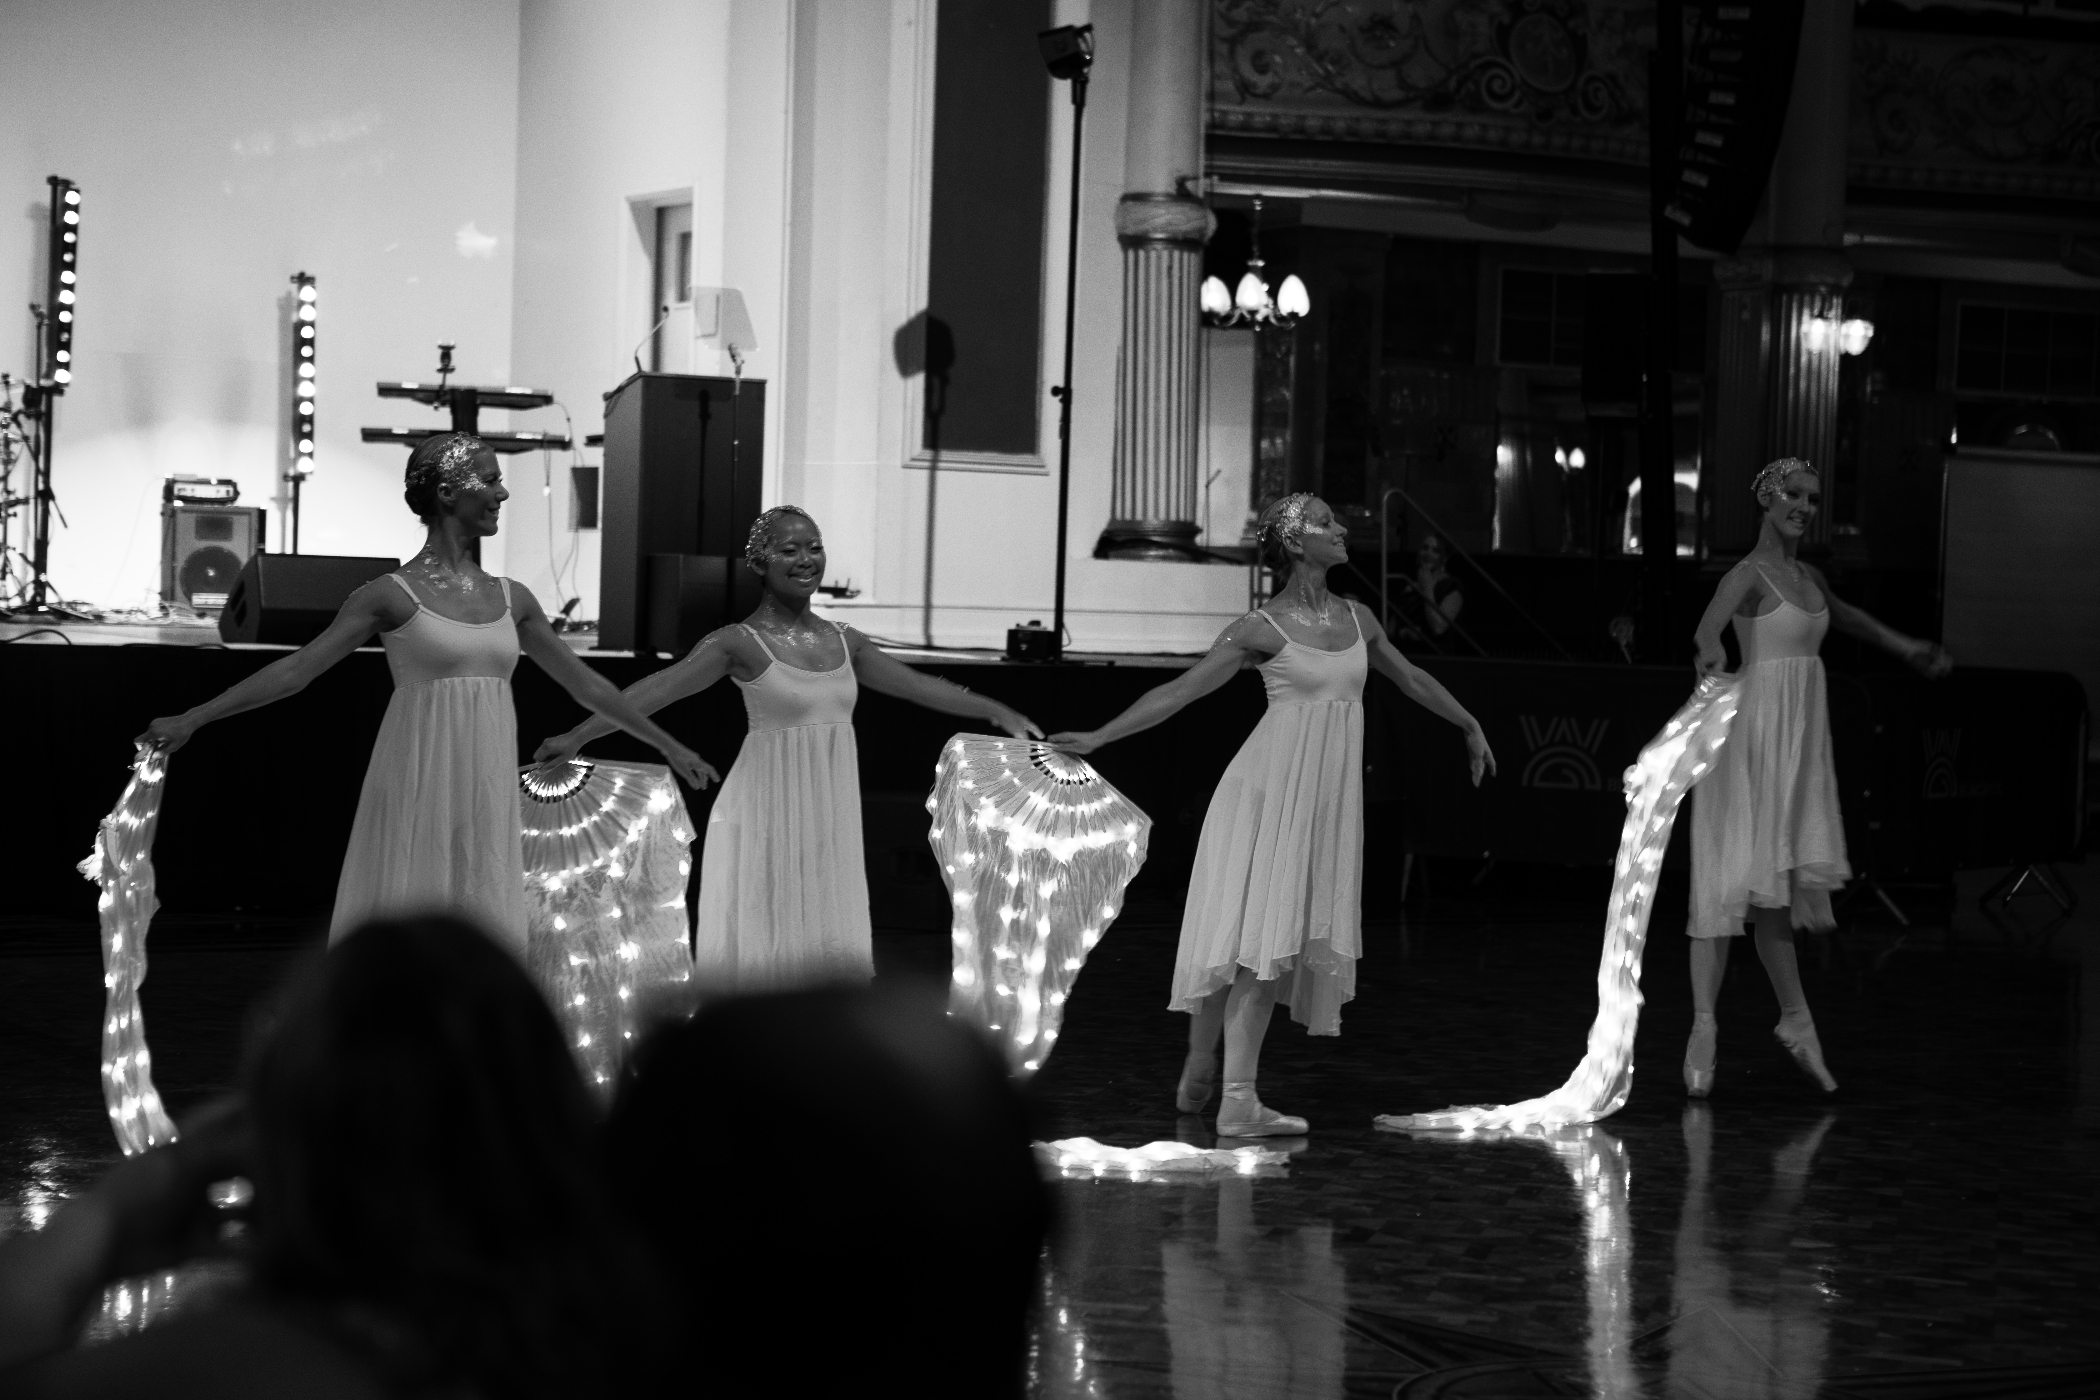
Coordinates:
[690,595]
[202,551]
[289,599]
[683,459]
[1739,75]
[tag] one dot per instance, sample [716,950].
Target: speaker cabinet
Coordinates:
[1739,76]
[289,599]
[683,460]
[202,551]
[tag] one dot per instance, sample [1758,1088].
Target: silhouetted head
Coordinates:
[839,1162]
[427,1159]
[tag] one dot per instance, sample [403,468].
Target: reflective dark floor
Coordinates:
[1929,1232]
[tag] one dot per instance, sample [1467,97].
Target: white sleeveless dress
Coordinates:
[437,826]
[783,883]
[1766,829]
[1277,884]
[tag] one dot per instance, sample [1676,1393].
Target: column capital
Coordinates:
[1818,268]
[1163,218]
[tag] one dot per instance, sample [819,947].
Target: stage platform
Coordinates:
[1985,769]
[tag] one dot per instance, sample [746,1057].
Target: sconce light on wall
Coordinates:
[1252,304]
[1851,335]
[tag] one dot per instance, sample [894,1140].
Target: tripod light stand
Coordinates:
[1068,52]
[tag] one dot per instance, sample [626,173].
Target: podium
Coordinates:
[680,487]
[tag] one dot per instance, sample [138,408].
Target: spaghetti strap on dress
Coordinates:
[783,883]
[1766,829]
[1279,867]
[437,827]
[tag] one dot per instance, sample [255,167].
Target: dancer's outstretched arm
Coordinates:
[878,670]
[589,688]
[1425,690]
[1735,586]
[709,661]
[379,606]
[1247,641]
[1927,658]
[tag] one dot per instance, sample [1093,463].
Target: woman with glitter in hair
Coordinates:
[783,884]
[438,828]
[1768,843]
[1274,904]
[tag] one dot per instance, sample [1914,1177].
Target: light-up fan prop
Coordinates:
[1668,767]
[1036,848]
[122,864]
[606,860]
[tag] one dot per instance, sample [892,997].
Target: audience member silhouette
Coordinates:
[430,1213]
[839,1185]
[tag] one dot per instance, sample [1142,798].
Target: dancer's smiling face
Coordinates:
[1324,542]
[477,505]
[794,562]
[1791,508]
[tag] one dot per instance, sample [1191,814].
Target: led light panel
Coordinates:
[1036,848]
[1667,769]
[607,854]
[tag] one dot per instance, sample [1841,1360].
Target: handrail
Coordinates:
[1385,536]
[1386,614]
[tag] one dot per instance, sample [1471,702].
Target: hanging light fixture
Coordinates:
[1251,304]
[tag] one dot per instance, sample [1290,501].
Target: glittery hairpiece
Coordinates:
[760,543]
[1285,520]
[1771,479]
[453,467]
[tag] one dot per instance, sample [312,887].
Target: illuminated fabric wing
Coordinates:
[122,864]
[1036,848]
[1667,769]
[607,853]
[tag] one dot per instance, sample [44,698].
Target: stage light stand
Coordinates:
[1068,52]
[305,326]
[54,371]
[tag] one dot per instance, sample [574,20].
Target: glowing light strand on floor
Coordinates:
[1036,848]
[607,853]
[122,864]
[1155,1161]
[1668,767]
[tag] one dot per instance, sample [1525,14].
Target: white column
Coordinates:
[1162,231]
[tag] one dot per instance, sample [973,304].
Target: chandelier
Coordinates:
[1252,304]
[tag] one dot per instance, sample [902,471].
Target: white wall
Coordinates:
[220,146]
[621,102]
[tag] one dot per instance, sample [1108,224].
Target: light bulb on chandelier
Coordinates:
[1252,303]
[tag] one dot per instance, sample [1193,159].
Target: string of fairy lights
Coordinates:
[1656,785]
[121,863]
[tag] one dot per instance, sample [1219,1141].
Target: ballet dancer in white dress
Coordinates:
[1768,842]
[437,824]
[1274,903]
[783,882]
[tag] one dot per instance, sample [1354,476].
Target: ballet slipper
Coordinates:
[1699,1053]
[1241,1114]
[1799,1038]
[1194,1091]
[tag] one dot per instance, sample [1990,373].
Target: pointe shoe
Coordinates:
[1699,1054]
[1801,1042]
[1194,1091]
[1244,1115]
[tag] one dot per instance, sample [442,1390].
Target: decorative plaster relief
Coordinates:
[1945,112]
[1559,77]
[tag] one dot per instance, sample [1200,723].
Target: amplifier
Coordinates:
[203,549]
[289,599]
